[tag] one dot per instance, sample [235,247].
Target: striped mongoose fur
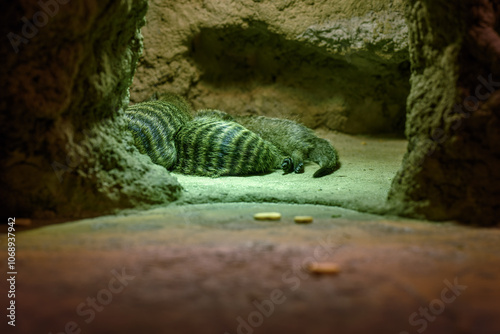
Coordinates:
[291,138]
[153,125]
[210,146]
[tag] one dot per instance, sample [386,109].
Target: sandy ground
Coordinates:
[362,183]
[212,268]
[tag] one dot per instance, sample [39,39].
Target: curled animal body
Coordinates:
[210,146]
[153,125]
[291,138]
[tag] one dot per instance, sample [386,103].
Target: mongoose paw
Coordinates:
[287,165]
[300,168]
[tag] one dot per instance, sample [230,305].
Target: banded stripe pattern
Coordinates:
[207,146]
[153,125]
[292,139]
[296,140]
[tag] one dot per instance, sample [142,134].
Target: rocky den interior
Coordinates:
[405,234]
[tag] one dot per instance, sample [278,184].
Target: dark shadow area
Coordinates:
[351,93]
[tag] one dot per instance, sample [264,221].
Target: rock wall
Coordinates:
[339,64]
[66,69]
[452,168]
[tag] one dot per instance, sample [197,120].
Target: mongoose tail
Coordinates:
[325,155]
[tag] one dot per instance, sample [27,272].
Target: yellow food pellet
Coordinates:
[303,219]
[267,216]
[363,143]
[323,268]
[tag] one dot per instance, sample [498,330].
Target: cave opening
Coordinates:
[378,246]
[348,93]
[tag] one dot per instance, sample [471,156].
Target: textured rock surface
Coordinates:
[340,65]
[452,168]
[65,79]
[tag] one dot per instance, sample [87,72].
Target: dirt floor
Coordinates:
[211,268]
[362,183]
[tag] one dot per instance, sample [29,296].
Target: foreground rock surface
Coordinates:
[210,268]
